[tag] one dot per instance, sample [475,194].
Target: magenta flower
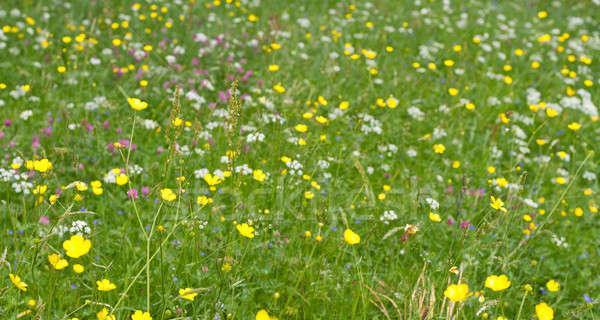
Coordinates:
[35,142]
[44,220]
[47,131]
[132,193]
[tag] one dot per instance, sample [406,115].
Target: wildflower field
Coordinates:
[264,159]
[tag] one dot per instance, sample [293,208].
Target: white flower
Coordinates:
[433,204]
[589,176]
[149,124]
[243,169]
[200,37]
[369,124]
[80,227]
[323,164]
[200,173]
[388,215]
[170,59]
[416,113]
[559,241]
[530,203]
[255,136]
[438,133]
[26,114]
[110,177]
[303,22]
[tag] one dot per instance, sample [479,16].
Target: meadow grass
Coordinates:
[299,159]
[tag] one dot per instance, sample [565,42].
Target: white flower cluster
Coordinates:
[433,204]
[323,164]
[560,242]
[99,101]
[369,124]
[22,186]
[200,173]
[416,113]
[135,169]
[243,169]
[149,124]
[388,149]
[294,167]
[26,115]
[80,227]
[255,136]
[388,215]
[19,180]
[9,175]
[589,176]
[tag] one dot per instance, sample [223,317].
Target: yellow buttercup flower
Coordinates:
[551,113]
[259,175]
[168,195]
[188,294]
[497,204]
[42,165]
[245,230]
[16,280]
[141,315]
[351,237]
[57,262]
[77,246]
[262,314]
[211,179]
[77,268]
[553,285]
[279,88]
[391,102]
[574,126]
[504,118]
[104,314]
[203,200]
[122,179]
[53,198]
[301,128]
[105,285]
[177,122]
[137,104]
[434,217]
[439,148]
[497,283]
[457,292]
[544,311]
